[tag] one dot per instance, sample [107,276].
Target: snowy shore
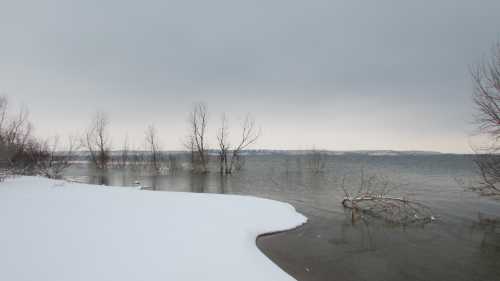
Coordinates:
[60,231]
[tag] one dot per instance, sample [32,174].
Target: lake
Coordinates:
[463,243]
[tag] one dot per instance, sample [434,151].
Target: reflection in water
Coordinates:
[489,229]
[123,181]
[357,232]
[198,183]
[100,177]
[154,182]
[332,245]
[223,180]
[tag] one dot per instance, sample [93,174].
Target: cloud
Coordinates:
[148,61]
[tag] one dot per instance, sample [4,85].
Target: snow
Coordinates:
[61,231]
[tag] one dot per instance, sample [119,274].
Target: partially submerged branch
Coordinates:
[374,199]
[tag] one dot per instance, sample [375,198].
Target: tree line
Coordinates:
[23,153]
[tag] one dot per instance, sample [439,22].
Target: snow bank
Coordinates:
[59,231]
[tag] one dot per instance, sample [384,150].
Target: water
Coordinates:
[460,245]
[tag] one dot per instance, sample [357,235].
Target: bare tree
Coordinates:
[198,119]
[486,79]
[222,141]
[152,144]
[230,157]
[488,165]
[249,135]
[97,141]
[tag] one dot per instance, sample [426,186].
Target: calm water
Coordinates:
[458,246]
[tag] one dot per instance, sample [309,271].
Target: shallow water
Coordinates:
[457,246]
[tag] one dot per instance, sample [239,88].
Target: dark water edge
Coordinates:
[330,247]
[458,246]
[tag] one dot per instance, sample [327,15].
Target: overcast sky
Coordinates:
[340,75]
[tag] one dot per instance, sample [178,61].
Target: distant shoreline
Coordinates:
[256,152]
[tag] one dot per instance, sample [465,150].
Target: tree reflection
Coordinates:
[198,182]
[489,227]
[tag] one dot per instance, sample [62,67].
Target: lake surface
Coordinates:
[463,243]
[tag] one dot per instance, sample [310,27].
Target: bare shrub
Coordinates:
[21,153]
[19,150]
[56,158]
[26,160]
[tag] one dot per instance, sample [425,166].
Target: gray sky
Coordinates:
[340,75]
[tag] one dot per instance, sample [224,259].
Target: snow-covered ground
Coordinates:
[59,231]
